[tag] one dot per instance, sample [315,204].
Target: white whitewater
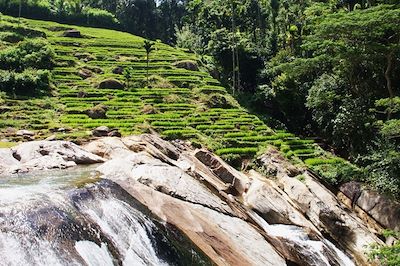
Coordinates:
[315,250]
[47,220]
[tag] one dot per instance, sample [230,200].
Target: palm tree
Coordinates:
[148,45]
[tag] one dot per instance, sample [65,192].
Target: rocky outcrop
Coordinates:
[321,207]
[234,218]
[172,179]
[41,155]
[382,209]
[222,170]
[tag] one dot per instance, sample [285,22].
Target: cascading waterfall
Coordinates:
[50,220]
[315,251]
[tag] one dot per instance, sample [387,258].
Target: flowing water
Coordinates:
[74,218]
[317,251]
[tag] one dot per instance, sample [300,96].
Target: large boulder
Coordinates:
[97,112]
[72,33]
[382,209]
[187,64]
[39,155]
[271,204]
[85,73]
[111,84]
[101,131]
[118,70]
[7,161]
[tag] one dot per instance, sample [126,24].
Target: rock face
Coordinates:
[186,188]
[385,211]
[322,208]
[232,217]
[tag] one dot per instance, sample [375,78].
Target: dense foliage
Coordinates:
[387,255]
[68,11]
[27,83]
[35,53]
[25,61]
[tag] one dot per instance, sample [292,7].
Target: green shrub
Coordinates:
[10,37]
[387,255]
[30,82]
[3,97]
[178,134]
[22,30]
[336,174]
[35,53]
[99,17]
[39,9]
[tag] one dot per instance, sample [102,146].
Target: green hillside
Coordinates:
[178,103]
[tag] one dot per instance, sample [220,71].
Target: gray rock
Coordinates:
[72,34]
[101,131]
[39,155]
[24,132]
[221,169]
[381,208]
[111,84]
[118,70]
[7,161]
[187,64]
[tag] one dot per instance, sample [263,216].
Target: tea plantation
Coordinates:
[90,88]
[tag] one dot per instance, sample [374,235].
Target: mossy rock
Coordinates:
[97,112]
[72,34]
[111,84]
[187,64]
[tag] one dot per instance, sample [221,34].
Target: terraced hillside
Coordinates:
[176,102]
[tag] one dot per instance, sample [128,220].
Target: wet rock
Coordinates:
[101,131]
[224,239]
[111,84]
[72,34]
[322,208]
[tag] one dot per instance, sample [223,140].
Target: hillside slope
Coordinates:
[177,103]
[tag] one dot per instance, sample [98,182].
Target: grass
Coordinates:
[4,144]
